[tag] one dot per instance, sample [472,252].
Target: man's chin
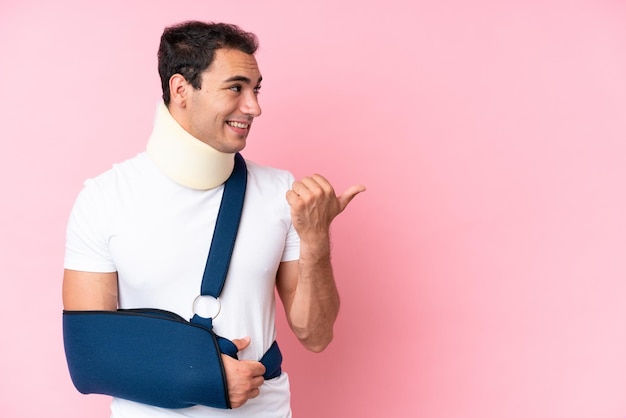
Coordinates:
[235,147]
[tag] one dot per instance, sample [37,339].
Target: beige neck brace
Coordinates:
[185,159]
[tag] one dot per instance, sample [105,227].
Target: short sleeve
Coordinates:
[87,242]
[292,241]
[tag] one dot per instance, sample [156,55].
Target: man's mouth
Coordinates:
[239,125]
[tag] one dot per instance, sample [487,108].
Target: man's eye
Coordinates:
[257,90]
[235,88]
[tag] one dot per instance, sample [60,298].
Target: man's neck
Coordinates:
[183,158]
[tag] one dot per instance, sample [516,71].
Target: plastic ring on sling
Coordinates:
[209,308]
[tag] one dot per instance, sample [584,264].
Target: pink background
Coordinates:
[483,272]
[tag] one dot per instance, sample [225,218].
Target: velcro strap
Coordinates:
[272,360]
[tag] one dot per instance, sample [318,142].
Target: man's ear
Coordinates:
[179,90]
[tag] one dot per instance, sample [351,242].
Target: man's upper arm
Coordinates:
[286,282]
[84,291]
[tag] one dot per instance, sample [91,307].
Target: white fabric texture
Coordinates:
[156,234]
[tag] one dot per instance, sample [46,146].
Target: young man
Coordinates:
[139,234]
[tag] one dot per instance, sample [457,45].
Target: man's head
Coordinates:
[189,49]
[211,81]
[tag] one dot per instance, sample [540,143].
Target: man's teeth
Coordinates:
[238,125]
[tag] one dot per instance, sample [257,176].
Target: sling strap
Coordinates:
[220,254]
[227,224]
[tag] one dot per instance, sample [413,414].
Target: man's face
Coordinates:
[220,113]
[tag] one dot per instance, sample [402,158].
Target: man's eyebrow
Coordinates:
[242,79]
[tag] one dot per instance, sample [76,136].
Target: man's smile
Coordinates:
[235,124]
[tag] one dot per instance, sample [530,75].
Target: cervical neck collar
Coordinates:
[184,158]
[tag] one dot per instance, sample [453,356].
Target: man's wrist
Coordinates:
[315,250]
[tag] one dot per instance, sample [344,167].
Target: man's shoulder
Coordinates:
[122,176]
[267,178]
[266,170]
[123,168]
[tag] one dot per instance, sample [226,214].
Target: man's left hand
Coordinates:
[314,205]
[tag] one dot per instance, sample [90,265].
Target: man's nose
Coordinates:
[250,105]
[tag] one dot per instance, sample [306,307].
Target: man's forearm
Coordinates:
[315,302]
[310,295]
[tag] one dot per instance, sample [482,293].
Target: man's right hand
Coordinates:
[244,377]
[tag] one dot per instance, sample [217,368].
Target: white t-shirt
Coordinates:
[156,234]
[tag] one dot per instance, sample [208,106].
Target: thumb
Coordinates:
[348,195]
[241,343]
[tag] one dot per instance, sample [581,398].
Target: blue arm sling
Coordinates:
[155,356]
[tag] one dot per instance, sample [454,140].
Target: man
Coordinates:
[139,234]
